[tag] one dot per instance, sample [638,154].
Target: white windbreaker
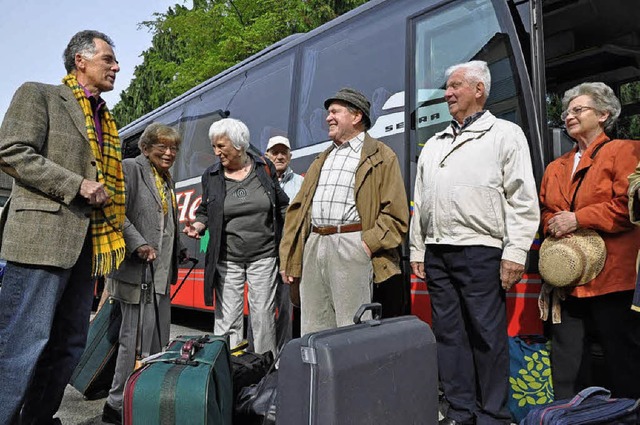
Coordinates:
[476,189]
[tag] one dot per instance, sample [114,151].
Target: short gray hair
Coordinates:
[604,100]
[474,72]
[234,129]
[84,44]
[156,132]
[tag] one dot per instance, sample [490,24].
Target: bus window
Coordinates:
[263,100]
[366,54]
[259,97]
[456,33]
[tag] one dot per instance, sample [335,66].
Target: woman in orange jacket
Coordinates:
[587,188]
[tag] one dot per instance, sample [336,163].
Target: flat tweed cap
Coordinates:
[572,261]
[354,98]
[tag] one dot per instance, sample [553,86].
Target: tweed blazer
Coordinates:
[44,146]
[143,225]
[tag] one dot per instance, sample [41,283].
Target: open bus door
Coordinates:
[595,40]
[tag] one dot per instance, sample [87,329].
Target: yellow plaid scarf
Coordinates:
[106,222]
[163,187]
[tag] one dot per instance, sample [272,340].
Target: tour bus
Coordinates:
[396,53]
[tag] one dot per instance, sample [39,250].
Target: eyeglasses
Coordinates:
[575,111]
[163,148]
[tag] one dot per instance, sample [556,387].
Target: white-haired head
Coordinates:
[474,72]
[235,130]
[604,100]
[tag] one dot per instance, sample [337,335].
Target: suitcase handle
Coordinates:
[189,349]
[375,308]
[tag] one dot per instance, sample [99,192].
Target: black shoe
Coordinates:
[111,415]
[449,421]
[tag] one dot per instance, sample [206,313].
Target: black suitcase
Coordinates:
[373,372]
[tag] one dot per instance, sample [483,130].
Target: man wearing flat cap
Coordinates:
[344,228]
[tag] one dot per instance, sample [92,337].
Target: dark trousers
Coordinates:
[44,320]
[608,321]
[470,326]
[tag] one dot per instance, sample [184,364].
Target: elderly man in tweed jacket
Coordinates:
[51,142]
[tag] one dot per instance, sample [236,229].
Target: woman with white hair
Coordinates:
[243,210]
[586,188]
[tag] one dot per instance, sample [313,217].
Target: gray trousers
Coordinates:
[127,340]
[337,278]
[284,317]
[261,278]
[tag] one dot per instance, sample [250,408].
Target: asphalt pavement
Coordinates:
[75,410]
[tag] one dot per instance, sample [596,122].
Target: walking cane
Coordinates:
[147,292]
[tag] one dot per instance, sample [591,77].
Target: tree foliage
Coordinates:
[190,46]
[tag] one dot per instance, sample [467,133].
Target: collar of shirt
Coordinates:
[457,128]
[286,176]
[576,161]
[355,144]
[96,101]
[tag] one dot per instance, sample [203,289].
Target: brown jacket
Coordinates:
[601,204]
[381,201]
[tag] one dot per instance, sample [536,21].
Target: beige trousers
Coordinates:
[337,278]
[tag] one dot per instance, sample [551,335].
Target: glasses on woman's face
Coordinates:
[163,148]
[575,111]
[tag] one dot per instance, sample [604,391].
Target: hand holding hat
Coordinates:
[562,223]
[573,260]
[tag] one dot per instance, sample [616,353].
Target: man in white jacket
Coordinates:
[475,216]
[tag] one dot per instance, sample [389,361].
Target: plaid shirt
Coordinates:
[334,200]
[457,128]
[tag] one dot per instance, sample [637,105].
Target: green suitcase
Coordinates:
[94,373]
[189,384]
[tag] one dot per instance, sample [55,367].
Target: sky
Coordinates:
[34,33]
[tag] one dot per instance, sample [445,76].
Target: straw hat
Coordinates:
[572,261]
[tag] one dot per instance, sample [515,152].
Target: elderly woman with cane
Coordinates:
[152,237]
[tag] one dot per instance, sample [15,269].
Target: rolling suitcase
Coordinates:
[373,372]
[189,384]
[94,373]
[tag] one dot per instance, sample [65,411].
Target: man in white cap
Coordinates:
[279,152]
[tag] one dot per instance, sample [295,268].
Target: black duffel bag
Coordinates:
[248,369]
[256,404]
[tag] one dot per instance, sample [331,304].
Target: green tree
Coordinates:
[190,46]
